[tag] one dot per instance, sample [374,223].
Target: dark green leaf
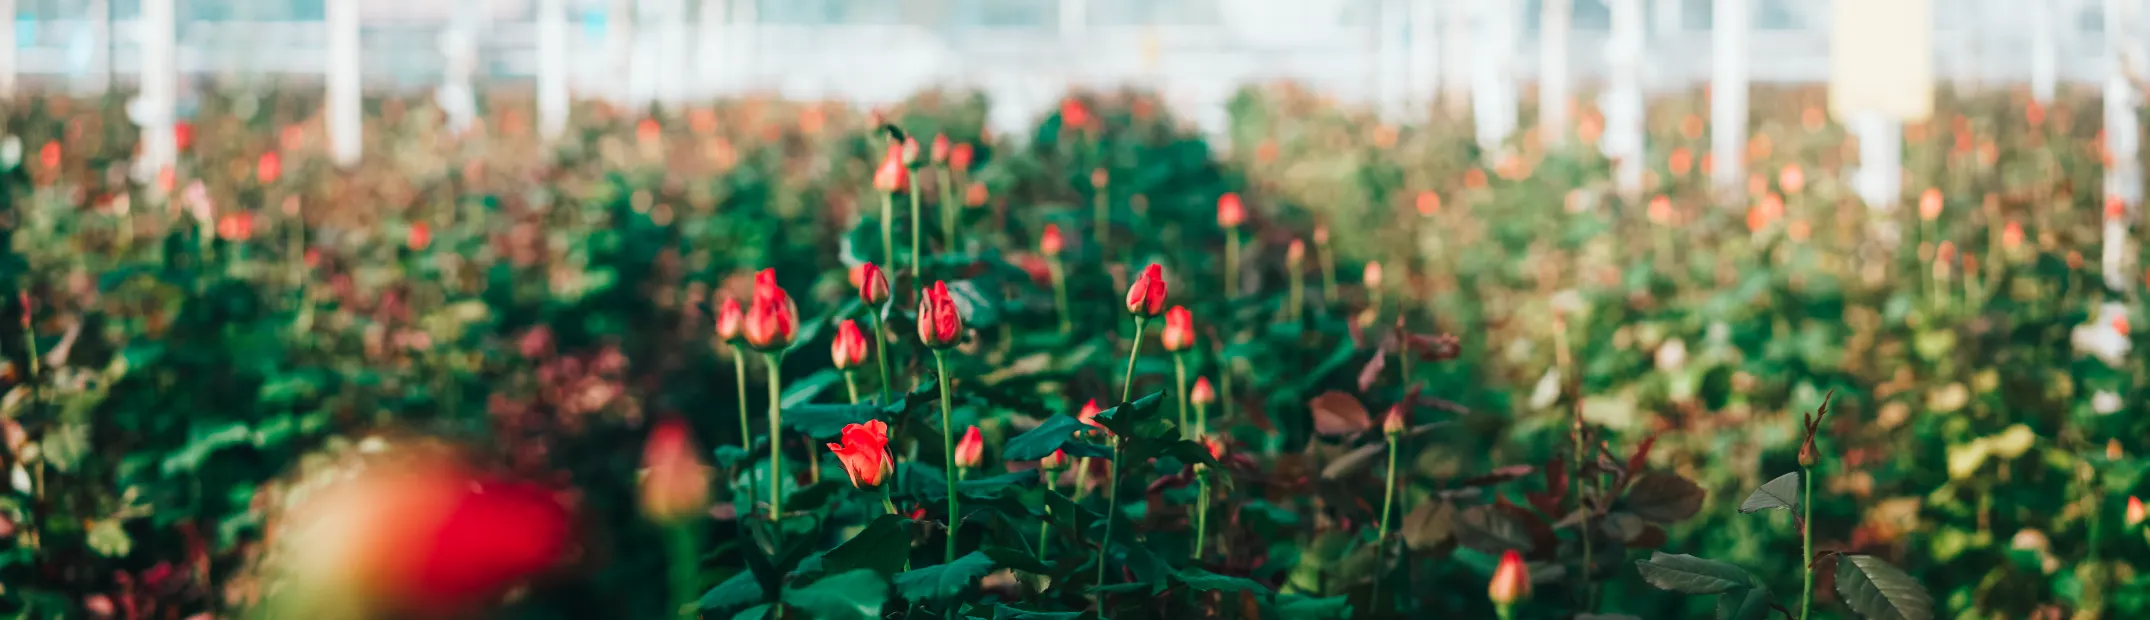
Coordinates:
[1744,604]
[1781,493]
[824,420]
[1878,590]
[1205,581]
[1307,608]
[941,581]
[1665,498]
[855,594]
[813,497]
[803,390]
[757,612]
[1004,612]
[1017,559]
[1055,433]
[881,547]
[1691,575]
[1126,419]
[738,591]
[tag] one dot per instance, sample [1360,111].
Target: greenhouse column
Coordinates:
[620,51]
[1457,18]
[7,50]
[1881,75]
[1553,71]
[99,71]
[1425,57]
[1728,93]
[459,51]
[2045,57]
[1493,99]
[343,82]
[709,45]
[159,75]
[1623,105]
[2123,178]
[1074,17]
[552,91]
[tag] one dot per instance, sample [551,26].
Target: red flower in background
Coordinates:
[1930,204]
[971,450]
[1073,114]
[1179,329]
[849,348]
[959,158]
[1202,393]
[183,135]
[1511,580]
[269,168]
[236,227]
[1146,298]
[940,323]
[1056,461]
[420,236]
[1230,213]
[729,319]
[675,481]
[772,321]
[892,176]
[864,453]
[871,283]
[49,155]
[1050,242]
[1088,415]
[939,152]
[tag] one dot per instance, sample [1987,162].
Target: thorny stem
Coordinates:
[1563,358]
[948,450]
[1806,542]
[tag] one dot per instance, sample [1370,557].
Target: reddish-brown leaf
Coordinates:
[1337,413]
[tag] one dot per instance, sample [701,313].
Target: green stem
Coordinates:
[776,434]
[948,210]
[1231,264]
[1328,274]
[746,430]
[1505,612]
[1381,533]
[851,385]
[1201,420]
[880,352]
[917,269]
[1112,490]
[1104,215]
[1045,525]
[1179,374]
[685,569]
[948,450]
[888,501]
[1201,515]
[1082,478]
[888,231]
[1060,295]
[1806,543]
[1298,294]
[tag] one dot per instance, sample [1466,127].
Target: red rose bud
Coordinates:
[848,350]
[959,158]
[2012,236]
[1321,236]
[1088,415]
[940,324]
[1230,214]
[1511,580]
[1049,242]
[49,155]
[675,482]
[2135,511]
[182,135]
[421,236]
[1056,461]
[1372,277]
[236,227]
[1179,329]
[974,194]
[1396,421]
[864,453]
[939,152]
[1100,178]
[892,176]
[269,168]
[1930,204]
[772,320]
[1295,254]
[1202,393]
[910,151]
[1216,447]
[1147,296]
[729,318]
[1073,113]
[971,450]
[871,283]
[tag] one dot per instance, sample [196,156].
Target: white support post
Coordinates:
[1392,61]
[7,50]
[99,77]
[1493,98]
[153,107]
[1879,179]
[1074,18]
[345,141]
[1425,44]
[620,51]
[459,49]
[1623,104]
[2045,56]
[1458,20]
[1728,93]
[1553,21]
[709,45]
[746,41]
[671,86]
[552,91]
[2123,179]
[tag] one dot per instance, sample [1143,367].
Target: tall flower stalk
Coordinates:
[946,196]
[1295,271]
[872,285]
[1049,469]
[1809,458]
[940,328]
[1392,427]
[1201,509]
[675,494]
[772,324]
[888,180]
[1050,244]
[909,152]
[730,317]
[1101,195]
[1178,337]
[1145,300]
[847,351]
[1230,214]
[1326,256]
